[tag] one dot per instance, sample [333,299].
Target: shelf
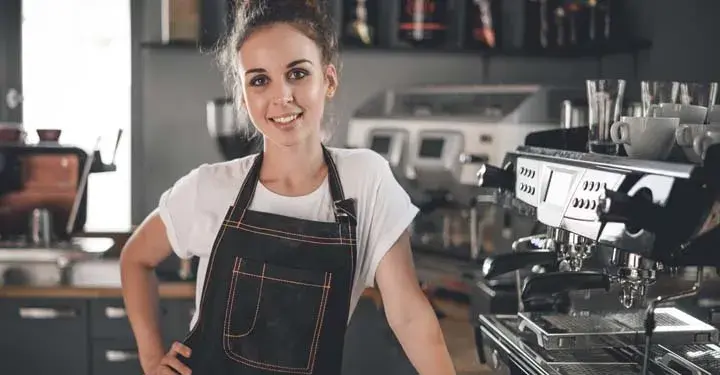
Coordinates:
[594,51]
[588,52]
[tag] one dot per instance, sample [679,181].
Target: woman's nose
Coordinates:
[282,94]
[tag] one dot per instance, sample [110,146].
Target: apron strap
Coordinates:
[344,208]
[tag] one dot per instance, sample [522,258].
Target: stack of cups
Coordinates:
[672,113]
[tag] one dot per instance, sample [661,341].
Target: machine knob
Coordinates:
[637,211]
[494,177]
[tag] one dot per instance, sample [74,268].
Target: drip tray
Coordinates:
[673,327]
[689,359]
[596,368]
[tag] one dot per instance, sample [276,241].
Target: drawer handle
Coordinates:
[115,312]
[120,356]
[45,313]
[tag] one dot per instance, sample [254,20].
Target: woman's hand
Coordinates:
[170,364]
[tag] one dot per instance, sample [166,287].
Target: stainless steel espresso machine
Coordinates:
[436,137]
[621,275]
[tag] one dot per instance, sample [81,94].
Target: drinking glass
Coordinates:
[605,103]
[694,102]
[656,93]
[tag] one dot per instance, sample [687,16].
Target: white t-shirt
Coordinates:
[194,207]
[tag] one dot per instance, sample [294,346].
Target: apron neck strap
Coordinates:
[247,191]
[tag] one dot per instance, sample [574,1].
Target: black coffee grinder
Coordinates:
[233,132]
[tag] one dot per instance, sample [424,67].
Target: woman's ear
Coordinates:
[332,80]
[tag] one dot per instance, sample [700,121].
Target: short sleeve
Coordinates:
[177,207]
[391,212]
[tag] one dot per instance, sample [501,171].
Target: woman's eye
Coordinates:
[297,74]
[258,81]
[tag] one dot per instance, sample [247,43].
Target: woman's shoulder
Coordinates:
[358,160]
[361,168]
[220,174]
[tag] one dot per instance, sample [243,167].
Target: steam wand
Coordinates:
[650,322]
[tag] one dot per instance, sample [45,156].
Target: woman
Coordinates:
[308,228]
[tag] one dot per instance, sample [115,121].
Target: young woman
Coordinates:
[289,238]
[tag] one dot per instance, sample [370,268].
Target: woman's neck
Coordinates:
[294,170]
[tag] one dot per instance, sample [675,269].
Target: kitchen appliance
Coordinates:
[436,137]
[43,207]
[234,133]
[642,233]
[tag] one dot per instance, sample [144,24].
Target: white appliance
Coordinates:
[437,137]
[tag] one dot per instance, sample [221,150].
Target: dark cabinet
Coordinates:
[44,336]
[78,336]
[10,61]
[112,342]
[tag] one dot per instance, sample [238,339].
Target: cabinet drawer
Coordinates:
[180,313]
[71,312]
[44,336]
[108,319]
[111,357]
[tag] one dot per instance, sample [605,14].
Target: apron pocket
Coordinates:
[274,316]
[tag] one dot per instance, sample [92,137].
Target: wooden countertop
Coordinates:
[174,290]
[168,290]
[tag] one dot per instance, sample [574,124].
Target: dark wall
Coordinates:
[171,87]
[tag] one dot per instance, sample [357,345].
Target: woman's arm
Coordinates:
[147,247]
[409,313]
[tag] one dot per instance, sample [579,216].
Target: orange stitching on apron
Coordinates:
[319,326]
[288,238]
[352,259]
[231,295]
[312,350]
[229,307]
[208,272]
[348,213]
[237,224]
[279,280]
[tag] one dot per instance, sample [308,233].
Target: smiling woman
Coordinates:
[307,230]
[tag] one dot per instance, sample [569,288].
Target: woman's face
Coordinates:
[285,84]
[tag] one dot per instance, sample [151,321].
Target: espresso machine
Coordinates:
[43,207]
[436,137]
[620,274]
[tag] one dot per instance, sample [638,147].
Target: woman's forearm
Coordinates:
[140,292]
[424,344]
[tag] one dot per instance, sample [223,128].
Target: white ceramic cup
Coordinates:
[650,138]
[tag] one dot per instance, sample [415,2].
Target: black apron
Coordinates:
[277,290]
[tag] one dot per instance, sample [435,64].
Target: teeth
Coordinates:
[286,119]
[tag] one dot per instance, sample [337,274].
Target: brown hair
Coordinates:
[307,16]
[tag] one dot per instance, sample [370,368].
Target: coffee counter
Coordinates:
[168,290]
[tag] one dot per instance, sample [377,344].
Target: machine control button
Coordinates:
[586,185]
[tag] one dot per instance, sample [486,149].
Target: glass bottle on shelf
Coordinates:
[360,23]
[579,18]
[423,23]
[537,28]
[482,23]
